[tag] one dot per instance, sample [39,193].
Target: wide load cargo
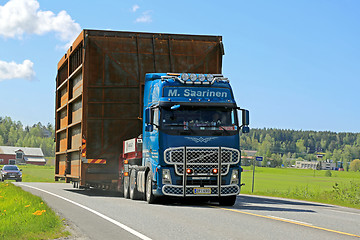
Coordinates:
[99,95]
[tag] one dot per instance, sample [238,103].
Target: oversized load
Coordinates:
[99,95]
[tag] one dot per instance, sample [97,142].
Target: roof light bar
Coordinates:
[187,78]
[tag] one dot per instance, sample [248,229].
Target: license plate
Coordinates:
[202,190]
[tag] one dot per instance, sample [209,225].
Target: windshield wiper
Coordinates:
[224,129]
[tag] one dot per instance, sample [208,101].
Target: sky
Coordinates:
[292,64]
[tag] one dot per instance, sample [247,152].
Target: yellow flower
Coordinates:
[4,210]
[39,212]
[27,205]
[41,203]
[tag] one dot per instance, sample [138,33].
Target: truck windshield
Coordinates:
[199,120]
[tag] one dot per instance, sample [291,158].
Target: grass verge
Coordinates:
[25,216]
[341,188]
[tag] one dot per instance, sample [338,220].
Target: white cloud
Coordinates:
[135,8]
[144,18]
[12,70]
[18,17]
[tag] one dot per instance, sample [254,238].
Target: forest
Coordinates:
[279,147]
[13,133]
[284,147]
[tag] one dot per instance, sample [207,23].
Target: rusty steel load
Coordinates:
[99,95]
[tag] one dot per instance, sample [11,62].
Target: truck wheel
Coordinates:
[227,201]
[134,195]
[126,187]
[150,198]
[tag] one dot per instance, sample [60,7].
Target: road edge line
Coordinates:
[123,226]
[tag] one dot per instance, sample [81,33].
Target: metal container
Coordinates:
[99,94]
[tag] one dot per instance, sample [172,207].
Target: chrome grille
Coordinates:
[202,155]
[201,159]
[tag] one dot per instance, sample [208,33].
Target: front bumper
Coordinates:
[11,177]
[191,191]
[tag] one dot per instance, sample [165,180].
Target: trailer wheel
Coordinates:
[126,187]
[227,201]
[150,198]
[134,194]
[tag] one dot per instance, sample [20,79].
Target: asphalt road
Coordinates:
[102,215]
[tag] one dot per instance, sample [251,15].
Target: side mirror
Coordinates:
[245,129]
[147,116]
[245,117]
[149,128]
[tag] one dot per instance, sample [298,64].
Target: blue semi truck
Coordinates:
[190,141]
[149,115]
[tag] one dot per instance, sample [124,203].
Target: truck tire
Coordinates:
[227,201]
[126,188]
[150,198]
[134,194]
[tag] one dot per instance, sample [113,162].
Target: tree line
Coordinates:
[281,147]
[284,147]
[13,133]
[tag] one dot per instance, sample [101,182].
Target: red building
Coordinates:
[21,155]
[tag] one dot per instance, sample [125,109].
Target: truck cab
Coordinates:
[191,137]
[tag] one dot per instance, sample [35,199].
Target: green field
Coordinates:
[342,188]
[34,173]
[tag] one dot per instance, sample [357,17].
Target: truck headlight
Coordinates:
[235,176]
[166,177]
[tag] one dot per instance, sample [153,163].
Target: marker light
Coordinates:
[209,77]
[193,77]
[215,171]
[126,174]
[189,171]
[184,76]
[201,77]
[126,161]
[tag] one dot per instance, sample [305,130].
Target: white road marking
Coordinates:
[344,212]
[126,228]
[290,220]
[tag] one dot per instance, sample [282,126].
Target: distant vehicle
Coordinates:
[11,172]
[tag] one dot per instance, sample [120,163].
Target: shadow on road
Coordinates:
[251,203]
[95,192]
[254,203]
